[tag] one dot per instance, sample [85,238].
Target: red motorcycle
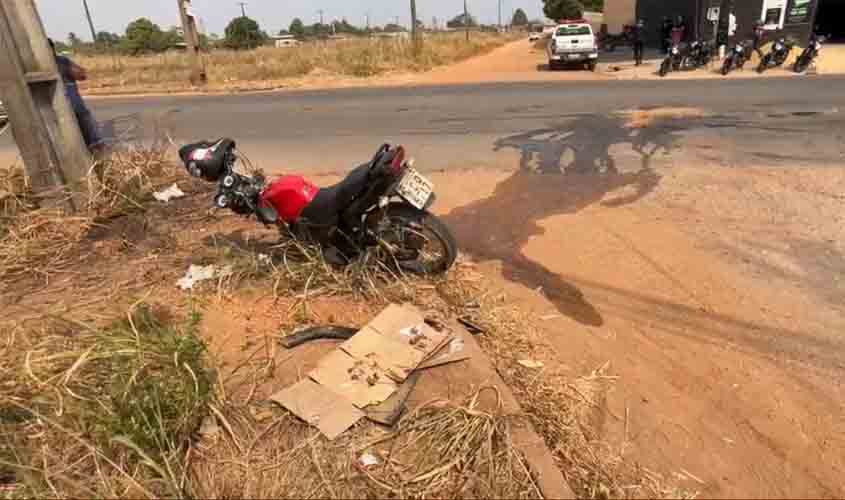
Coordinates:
[381,204]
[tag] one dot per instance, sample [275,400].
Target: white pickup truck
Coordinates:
[573,43]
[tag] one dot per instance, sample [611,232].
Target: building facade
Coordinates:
[708,19]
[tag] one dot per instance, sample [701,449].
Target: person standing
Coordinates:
[665,34]
[759,38]
[72,73]
[638,40]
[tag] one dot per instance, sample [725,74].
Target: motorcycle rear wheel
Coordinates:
[726,68]
[665,67]
[422,235]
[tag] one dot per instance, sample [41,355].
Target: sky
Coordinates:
[64,16]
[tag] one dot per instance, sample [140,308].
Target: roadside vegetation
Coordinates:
[268,67]
[108,387]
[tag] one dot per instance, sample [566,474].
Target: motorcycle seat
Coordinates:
[326,207]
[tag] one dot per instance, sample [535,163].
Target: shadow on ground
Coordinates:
[562,170]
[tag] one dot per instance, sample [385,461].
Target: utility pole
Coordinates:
[416,37]
[321,12]
[243,8]
[44,125]
[466,19]
[90,22]
[500,15]
[192,40]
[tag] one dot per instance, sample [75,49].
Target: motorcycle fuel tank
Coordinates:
[289,195]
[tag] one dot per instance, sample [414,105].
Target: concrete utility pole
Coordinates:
[500,14]
[321,12]
[43,123]
[90,22]
[416,37]
[243,8]
[466,19]
[192,40]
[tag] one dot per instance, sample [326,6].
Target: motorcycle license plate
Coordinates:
[574,57]
[415,188]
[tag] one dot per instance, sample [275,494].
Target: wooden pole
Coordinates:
[44,125]
[192,40]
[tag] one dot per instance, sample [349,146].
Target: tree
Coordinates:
[459,22]
[297,28]
[142,35]
[244,33]
[520,18]
[563,9]
[107,39]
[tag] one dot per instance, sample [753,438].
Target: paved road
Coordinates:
[446,126]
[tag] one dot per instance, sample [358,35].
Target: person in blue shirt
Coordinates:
[72,73]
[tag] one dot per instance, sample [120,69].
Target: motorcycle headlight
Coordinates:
[779,46]
[675,50]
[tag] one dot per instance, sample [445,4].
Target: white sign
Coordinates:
[774,12]
[713,14]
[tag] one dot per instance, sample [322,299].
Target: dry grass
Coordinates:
[40,241]
[266,67]
[90,412]
[441,450]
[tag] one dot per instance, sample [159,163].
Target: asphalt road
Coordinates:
[444,126]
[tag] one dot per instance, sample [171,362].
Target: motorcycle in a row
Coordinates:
[699,54]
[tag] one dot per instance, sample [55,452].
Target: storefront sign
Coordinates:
[799,12]
[774,12]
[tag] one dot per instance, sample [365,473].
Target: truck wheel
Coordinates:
[592,65]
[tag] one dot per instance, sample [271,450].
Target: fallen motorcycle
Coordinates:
[736,59]
[777,56]
[382,204]
[814,48]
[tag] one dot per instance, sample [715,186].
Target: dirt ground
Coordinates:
[712,288]
[708,279]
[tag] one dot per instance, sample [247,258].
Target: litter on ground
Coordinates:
[171,193]
[197,274]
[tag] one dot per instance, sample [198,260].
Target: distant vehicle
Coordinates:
[573,43]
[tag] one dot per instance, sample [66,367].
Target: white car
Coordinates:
[573,43]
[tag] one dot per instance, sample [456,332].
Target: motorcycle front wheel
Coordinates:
[801,64]
[665,67]
[726,67]
[419,242]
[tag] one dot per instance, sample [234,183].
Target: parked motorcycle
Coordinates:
[673,61]
[814,48]
[777,55]
[737,58]
[700,54]
[382,204]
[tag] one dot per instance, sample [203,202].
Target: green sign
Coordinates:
[799,11]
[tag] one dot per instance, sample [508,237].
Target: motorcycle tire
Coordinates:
[801,65]
[726,67]
[405,215]
[665,67]
[764,64]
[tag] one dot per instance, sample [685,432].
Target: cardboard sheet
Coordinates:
[362,383]
[320,407]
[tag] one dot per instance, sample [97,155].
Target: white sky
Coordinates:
[64,16]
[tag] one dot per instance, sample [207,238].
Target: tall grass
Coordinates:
[350,58]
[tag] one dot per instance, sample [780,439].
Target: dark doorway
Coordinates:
[831,19]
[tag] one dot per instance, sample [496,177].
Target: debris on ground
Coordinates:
[530,364]
[197,274]
[374,370]
[171,193]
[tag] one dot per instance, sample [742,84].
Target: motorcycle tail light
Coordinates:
[398,161]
